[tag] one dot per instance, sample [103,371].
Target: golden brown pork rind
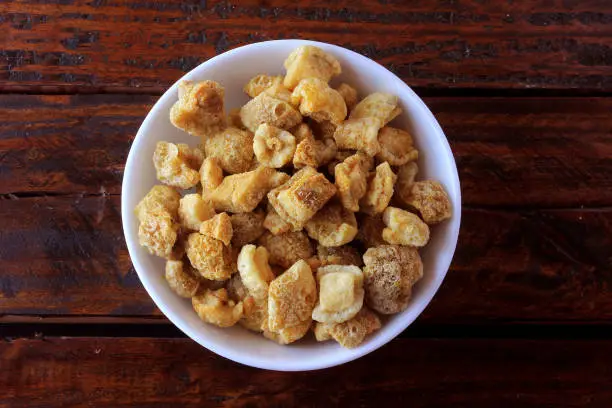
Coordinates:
[211,175]
[309,61]
[160,198]
[380,190]
[301,197]
[260,83]
[405,180]
[158,232]
[318,101]
[390,272]
[209,256]
[370,230]
[177,165]
[267,109]
[193,211]
[200,108]
[359,134]
[247,227]
[287,248]
[396,146]
[340,293]
[286,335]
[312,152]
[232,148]
[352,333]
[341,255]
[255,271]
[351,180]
[404,228]
[234,120]
[273,147]
[181,279]
[332,226]
[379,105]
[217,308]
[349,94]
[218,227]
[274,223]
[431,200]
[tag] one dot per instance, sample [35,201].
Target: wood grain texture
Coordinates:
[427,373]
[66,256]
[146,45]
[552,152]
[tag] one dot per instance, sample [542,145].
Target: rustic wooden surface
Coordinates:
[522,90]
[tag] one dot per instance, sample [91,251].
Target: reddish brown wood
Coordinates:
[552,152]
[425,373]
[66,256]
[146,45]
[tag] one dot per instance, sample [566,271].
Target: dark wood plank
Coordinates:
[427,373]
[553,152]
[66,256]
[144,45]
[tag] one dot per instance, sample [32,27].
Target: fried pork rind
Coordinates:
[193,211]
[292,298]
[349,94]
[181,279]
[351,333]
[260,83]
[267,109]
[199,110]
[236,289]
[309,61]
[359,134]
[301,197]
[381,106]
[233,119]
[176,165]
[160,198]
[332,226]
[312,152]
[396,146]
[341,255]
[287,335]
[274,223]
[158,232]
[320,102]
[390,272]
[279,91]
[243,192]
[370,231]
[351,180]
[211,175]
[247,227]
[287,248]
[217,308]
[209,257]
[380,190]
[273,147]
[232,148]
[405,180]
[218,227]
[340,293]
[323,130]
[431,200]
[255,270]
[404,228]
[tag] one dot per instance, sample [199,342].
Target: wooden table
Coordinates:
[522,90]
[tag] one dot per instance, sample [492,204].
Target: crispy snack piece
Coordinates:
[431,200]
[287,335]
[349,94]
[380,190]
[211,175]
[217,308]
[209,257]
[255,270]
[292,297]
[339,157]
[323,130]
[233,119]
[359,134]
[193,211]
[158,232]
[351,333]
[381,106]
[255,313]
[232,148]
[199,110]
[260,83]
[370,231]
[267,109]
[181,279]
[351,180]
[390,272]
[309,61]
[236,289]
[404,228]
[301,197]
[341,255]
[287,248]
[318,101]
[247,227]
[159,198]
[340,293]
[218,227]
[274,223]
[273,147]
[312,152]
[243,192]
[396,146]
[176,164]
[332,226]
[405,180]
[279,91]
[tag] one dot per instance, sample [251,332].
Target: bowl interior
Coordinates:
[233,69]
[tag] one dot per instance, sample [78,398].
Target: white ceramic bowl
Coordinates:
[233,69]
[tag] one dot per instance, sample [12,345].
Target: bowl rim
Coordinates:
[252,360]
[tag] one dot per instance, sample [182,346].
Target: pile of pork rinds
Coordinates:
[302,212]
